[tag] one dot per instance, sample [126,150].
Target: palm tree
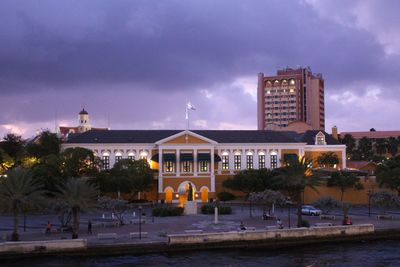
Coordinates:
[350,143]
[295,178]
[392,146]
[344,180]
[328,159]
[79,195]
[18,190]
[381,146]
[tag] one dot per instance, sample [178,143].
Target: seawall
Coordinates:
[271,239]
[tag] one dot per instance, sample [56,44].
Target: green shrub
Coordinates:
[305,223]
[167,211]
[225,196]
[209,209]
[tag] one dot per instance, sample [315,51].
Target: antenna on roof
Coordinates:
[108,120]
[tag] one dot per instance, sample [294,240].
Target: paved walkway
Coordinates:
[158,227]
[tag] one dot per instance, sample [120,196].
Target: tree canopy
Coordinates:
[252,180]
[344,181]
[388,174]
[328,159]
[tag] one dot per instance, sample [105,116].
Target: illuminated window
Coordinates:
[117,158]
[237,162]
[143,155]
[106,161]
[169,166]
[225,162]
[261,161]
[249,161]
[186,166]
[131,156]
[274,160]
[320,139]
[292,82]
[203,166]
[276,83]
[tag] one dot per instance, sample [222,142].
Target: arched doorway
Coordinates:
[183,190]
[204,194]
[168,194]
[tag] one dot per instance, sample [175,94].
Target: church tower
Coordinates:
[84,125]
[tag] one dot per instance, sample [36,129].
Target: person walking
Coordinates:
[48,227]
[89,227]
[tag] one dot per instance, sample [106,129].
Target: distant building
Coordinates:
[83,126]
[372,134]
[291,95]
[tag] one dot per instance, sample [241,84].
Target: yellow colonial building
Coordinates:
[204,158]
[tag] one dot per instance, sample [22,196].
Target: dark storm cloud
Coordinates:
[174,44]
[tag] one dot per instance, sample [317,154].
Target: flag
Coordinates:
[190,106]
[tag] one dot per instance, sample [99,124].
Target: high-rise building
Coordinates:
[291,95]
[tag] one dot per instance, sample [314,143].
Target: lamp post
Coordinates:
[288,202]
[140,222]
[369,202]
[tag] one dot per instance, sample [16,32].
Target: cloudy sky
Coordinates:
[132,64]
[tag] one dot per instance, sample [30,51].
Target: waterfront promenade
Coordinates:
[156,229]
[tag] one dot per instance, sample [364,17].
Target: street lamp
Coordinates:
[140,222]
[288,203]
[369,202]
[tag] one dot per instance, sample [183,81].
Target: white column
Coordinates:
[231,160]
[212,171]
[112,159]
[344,159]
[267,159]
[243,160]
[255,160]
[160,171]
[279,158]
[178,162]
[195,162]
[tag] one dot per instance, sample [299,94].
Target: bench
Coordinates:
[327,217]
[193,231]
[384,217]
[136,221]
[250,228]
[107,236]
[136,234]
[272,227]
[323,224]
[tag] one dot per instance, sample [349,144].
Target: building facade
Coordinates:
[291,95]
[83,126]
[204,158]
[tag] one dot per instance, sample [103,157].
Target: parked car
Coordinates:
[310,210]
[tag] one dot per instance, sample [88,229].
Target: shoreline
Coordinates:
[120,249]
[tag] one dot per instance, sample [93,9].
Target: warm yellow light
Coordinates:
[177,195]
[196,195]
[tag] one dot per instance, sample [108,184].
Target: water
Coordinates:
[379,253]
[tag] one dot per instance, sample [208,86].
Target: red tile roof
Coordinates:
[369,134]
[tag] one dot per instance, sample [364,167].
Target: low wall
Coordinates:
[43,246]
[295,233]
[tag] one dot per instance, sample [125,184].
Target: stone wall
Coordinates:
[43,246]
[258,235]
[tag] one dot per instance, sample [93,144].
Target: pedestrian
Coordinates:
[242,227]
[279,223]
[48,227]
[89,227]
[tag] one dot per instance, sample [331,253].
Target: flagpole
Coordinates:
[187,118]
